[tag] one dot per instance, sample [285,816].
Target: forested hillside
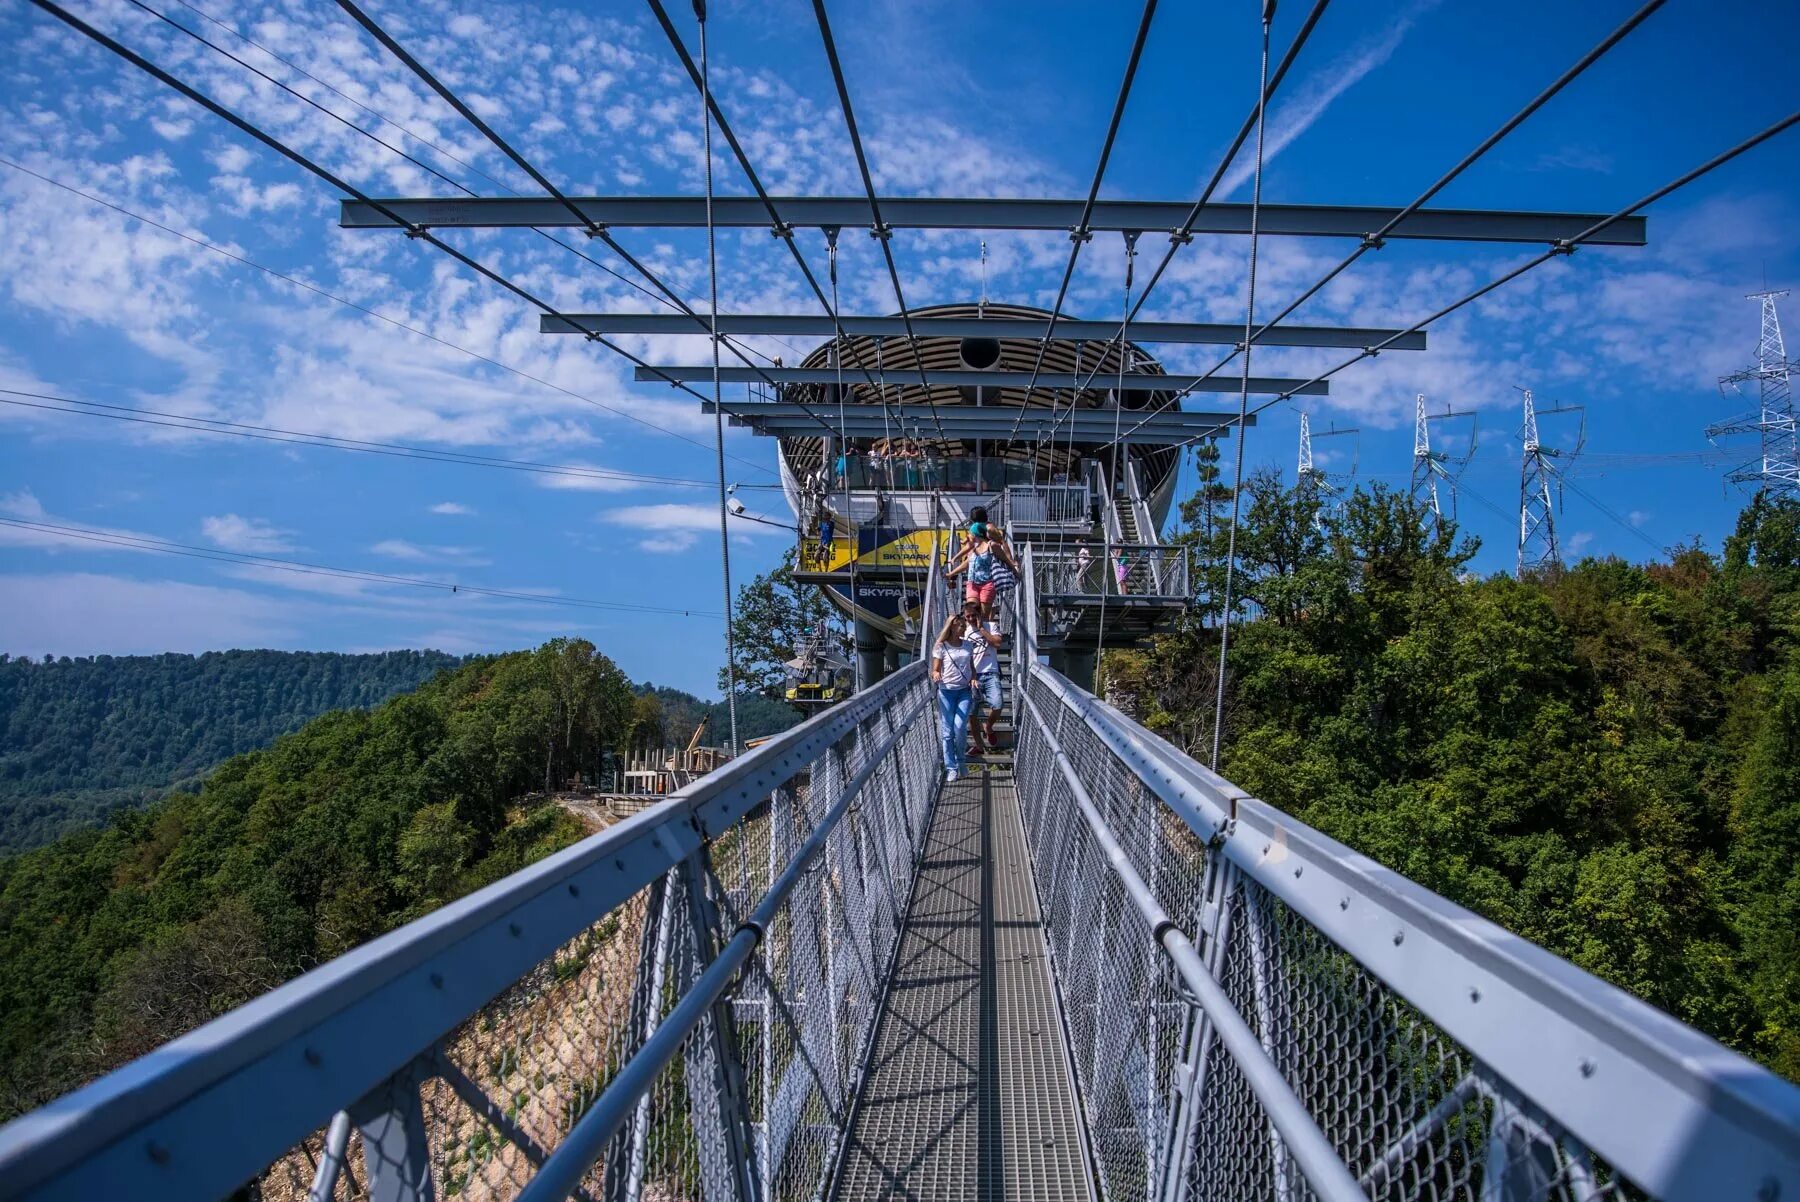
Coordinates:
[114,940]
[1604,759]
[80,738]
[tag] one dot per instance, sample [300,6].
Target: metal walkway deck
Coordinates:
[968,1094]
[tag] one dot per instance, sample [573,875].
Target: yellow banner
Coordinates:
[910,550]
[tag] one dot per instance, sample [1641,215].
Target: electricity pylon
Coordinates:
[1313,483]
[1779,468]
[1538,545]
[1430,466]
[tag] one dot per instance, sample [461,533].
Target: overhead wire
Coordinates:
[1565,246]
[1237,476]
[590,227]
[167,547]
[195,424]
[296,281]
[712,281]
[413,230]
[880,229]
[1184,234]
[1378,238]
[1082,234]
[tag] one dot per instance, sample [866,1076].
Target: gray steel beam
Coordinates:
[820,326]
[999,422]
[1046,381]
[946,213]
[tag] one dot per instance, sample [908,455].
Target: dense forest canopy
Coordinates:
[81,737]
[1604,759]
[113,941]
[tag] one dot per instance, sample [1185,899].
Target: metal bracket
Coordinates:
[396,1152]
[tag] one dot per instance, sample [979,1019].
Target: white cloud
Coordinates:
[399,548]
[668,544]
[664,517]
[22,504]
[452,509]
[247,536]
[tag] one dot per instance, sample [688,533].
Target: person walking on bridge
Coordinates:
[952,670]
[983,637]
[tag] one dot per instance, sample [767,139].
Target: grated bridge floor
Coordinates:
[968,1095]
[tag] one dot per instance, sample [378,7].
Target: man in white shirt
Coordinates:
[983,638]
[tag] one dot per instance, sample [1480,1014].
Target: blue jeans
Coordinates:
[953,724]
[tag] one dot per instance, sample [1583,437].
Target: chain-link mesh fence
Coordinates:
[1171,1113]
[756,1100]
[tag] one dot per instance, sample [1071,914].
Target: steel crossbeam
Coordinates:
[956,378]
[807,325]
[940,213]
[999,422]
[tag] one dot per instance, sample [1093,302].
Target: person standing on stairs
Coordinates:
[952,670]
[983,638]
[979,556]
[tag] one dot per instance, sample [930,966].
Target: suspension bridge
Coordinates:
[1094,969]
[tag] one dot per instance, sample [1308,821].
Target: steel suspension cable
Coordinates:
[1184,234]
[1082,234]
[712,285]
[589,226]
[1565,246]
[1377,239]
[414,231]
[881,231]
[777,226]
[1112,485]
[850,523]
[372,136]
[1237,476]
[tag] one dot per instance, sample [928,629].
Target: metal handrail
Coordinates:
[1317,1159]
[1670,1109]
[200,1115]
[559,1175]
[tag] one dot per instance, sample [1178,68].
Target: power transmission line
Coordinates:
[1565,246]
[413,230]
[296,281]
[167,547]
[1378,238]
[334,442]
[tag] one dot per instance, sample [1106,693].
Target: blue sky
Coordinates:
[955,99]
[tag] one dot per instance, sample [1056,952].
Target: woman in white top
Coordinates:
[953,671]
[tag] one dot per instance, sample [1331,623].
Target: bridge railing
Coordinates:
[1256,1011]
[676,1007]
[1154,570]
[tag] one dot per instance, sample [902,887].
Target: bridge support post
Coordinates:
[717,1102]
[1215,926]
[632,1144]
[396,1151]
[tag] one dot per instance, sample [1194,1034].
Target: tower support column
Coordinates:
[871,654]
